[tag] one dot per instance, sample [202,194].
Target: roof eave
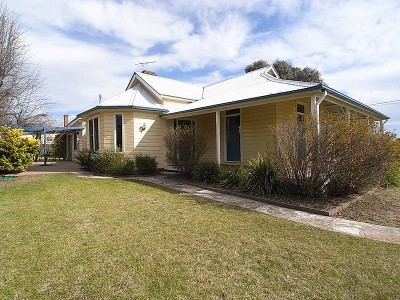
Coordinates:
[308,89]
[122,107]
[352,101]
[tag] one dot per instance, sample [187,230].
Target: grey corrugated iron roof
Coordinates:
[247,87]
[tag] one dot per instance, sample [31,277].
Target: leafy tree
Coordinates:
[21,99]
[16,152]
[288,71]
[256,65]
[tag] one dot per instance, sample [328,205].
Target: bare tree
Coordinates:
[22,101]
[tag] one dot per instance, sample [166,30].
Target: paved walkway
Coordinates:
[38,168]
[371,231]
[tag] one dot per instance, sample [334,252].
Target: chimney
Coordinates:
[149,72]
[66,120]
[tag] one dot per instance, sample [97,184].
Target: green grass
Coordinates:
[63,237]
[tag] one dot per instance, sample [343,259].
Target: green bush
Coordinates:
[111,162]
[146,164]
[85,160]
[207,172]
[107,161]
[235,178]
[393,176]
[262,177]
[16,152]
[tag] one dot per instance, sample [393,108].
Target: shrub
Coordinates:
[262,177]
[16,152]
[146,164]
[111,162]
[85,160]
[393,176]
[107,161]
[185,148]
[207,172]
[343,158]
[235,178]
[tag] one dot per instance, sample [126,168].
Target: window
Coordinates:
[232,134]
[118,132]
[300,112]
[183,123]
[76,140]
[94,134]
[301,146]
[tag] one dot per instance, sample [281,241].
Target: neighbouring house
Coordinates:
[72,137]
[236,115]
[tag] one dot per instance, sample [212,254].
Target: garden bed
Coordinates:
[379,206]
[322,206]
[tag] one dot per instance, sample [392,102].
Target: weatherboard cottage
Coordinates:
[235,115]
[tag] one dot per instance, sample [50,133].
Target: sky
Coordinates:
[87,48]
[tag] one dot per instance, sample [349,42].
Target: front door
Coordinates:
[233,135]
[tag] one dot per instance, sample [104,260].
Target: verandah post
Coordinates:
[218,136]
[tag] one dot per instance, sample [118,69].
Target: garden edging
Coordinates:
[331,212]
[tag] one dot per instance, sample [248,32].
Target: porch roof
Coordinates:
[271,88]
[262,85]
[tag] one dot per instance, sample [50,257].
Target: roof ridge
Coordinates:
[108,99]
[171,79]
[237,76]
[288,81]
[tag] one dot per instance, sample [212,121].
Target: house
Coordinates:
[72,137]
[236,115]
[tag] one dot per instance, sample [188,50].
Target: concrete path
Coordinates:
[371,231]
[38,168]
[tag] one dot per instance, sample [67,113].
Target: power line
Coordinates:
[386,102]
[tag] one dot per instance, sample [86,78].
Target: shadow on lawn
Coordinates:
[199,199]
[156,186]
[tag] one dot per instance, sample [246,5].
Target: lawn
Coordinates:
[63,237]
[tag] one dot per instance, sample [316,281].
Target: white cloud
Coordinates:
[353,43]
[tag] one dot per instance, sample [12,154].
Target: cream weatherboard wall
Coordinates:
[257,130]
[135,141]
[143,131]
[150,140]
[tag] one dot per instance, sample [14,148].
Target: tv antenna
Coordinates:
[145,63]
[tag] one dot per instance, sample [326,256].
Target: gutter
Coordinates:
[121,107]
[317,87]
[321,87]
[351,100]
